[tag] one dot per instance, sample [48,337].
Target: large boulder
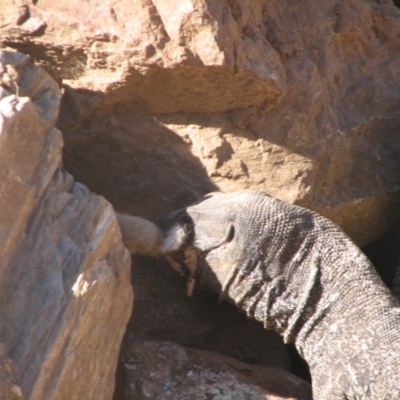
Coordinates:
[299,99]
[65,293]
[164,101]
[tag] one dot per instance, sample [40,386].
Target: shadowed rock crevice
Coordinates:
[136,162]
[200,322]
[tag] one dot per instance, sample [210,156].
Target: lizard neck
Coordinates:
[317,293]
[354,298]
[283,303]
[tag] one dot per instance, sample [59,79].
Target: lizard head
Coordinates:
[204,225]
[213,227]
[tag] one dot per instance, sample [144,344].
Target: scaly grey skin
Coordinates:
[300,275]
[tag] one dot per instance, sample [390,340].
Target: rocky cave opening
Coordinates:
[145,169]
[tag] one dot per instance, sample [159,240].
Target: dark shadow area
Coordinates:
[298,364]
[385,256]
[164,311]
[138,164]
[199,320]
[120,382]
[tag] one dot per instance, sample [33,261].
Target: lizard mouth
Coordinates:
[177,235]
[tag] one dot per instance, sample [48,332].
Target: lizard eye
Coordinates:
[231,234]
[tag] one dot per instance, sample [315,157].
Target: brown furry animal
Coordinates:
[140,236]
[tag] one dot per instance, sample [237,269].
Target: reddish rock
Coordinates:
[163,370]
[302,96]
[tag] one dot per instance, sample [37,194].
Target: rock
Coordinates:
[164,370]
[172,50]
[165,101]
[65,295]
[8,389]
[298,99]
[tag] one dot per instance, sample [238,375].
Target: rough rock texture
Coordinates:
[164,101]
[303,97]
[65,295]
[166,371]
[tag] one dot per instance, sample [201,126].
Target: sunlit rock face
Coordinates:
[64,273]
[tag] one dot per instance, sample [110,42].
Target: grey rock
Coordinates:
[65,293]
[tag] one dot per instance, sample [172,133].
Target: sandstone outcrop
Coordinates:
[65,293]
[298,99]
